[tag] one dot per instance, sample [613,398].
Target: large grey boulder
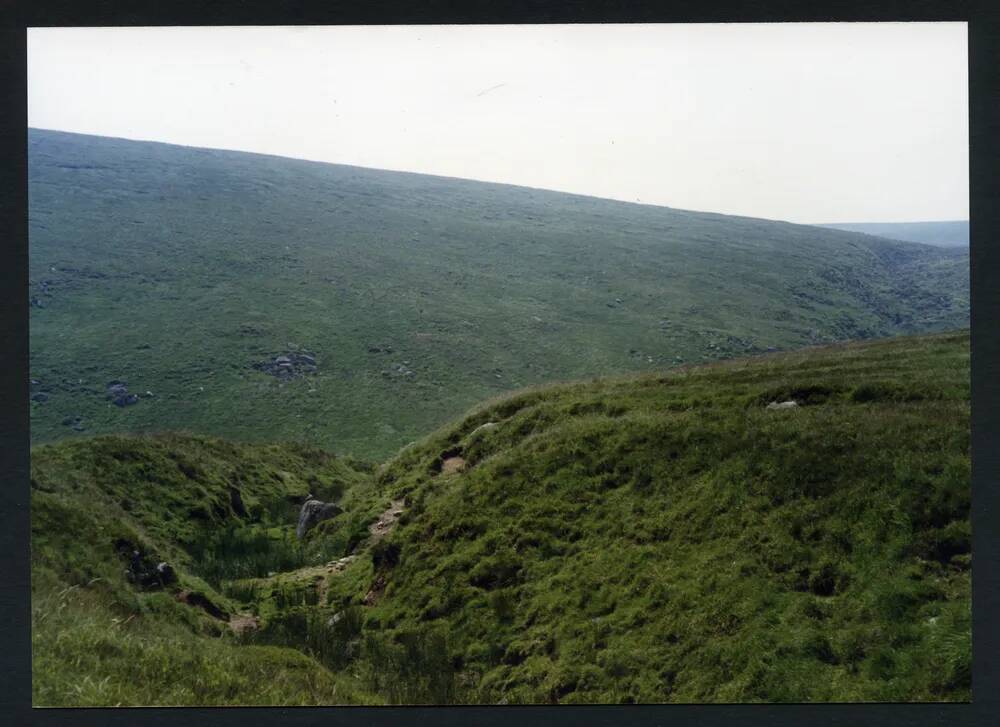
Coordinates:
[314,512]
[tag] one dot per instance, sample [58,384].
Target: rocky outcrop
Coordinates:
[314,512]
[117,391]
[143,570]
[291,365]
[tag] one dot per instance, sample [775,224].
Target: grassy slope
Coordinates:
[668,538]
[946,234]
[177,269]
[655,538]
[96,639]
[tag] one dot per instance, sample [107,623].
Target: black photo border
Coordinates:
[983,17]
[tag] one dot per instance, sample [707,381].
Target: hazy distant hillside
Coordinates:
[945,234]
[259,297]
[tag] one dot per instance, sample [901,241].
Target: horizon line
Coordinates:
[487,181]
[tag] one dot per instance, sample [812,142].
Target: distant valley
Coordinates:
[953,233]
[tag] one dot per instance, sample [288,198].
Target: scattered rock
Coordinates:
[398,370]
[117,391]
[338,566]
[141,568]
[314,512]
[783,405]
[286,366]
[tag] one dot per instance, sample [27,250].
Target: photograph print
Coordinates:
[499,364]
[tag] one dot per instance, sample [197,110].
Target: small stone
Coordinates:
[783,405]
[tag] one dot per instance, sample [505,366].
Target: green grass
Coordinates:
[667,538]
[662,537]
[86,655]
[177,269]
[97,640]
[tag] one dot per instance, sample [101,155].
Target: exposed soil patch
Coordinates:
[452,465]
[437,466]
[244,624]
[386,521]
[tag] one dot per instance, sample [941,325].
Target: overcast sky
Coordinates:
[802,122]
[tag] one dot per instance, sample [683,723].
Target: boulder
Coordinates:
[314,512]
[165,574]
[783,405]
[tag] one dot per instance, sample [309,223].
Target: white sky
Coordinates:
[803,122]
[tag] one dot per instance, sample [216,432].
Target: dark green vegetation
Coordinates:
[186,272]
[944,234]
[98,639]
[662,537]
